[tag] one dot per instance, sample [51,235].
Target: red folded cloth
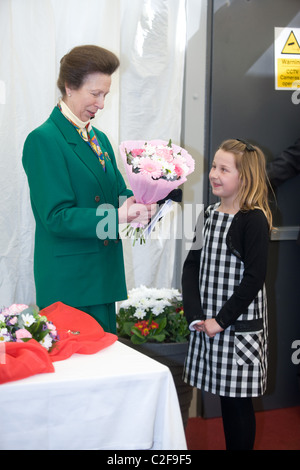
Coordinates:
[21,360]
[79,332]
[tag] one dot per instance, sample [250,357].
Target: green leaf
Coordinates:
[160,337]
[127,328]
[136,340]
[162,325]
[137,332]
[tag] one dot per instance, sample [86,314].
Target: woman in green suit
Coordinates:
[78,195]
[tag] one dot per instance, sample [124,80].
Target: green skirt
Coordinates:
[105,314]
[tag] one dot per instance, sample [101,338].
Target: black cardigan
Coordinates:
[248,240]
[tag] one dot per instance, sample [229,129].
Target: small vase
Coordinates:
[173,356]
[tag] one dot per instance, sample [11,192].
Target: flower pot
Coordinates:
[171,355]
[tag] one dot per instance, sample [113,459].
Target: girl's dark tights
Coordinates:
[238,422]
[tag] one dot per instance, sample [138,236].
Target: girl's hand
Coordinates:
[211,327]
[199,326]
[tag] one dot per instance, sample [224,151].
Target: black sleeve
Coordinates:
[190,287]
[175,195]
[190,276]
[255,238]
[286,165]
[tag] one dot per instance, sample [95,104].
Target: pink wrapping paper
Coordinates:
[147,190]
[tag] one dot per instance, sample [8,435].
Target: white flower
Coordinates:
[136,162]
[149,149]
[140,313]
[2,318]
[28,319]
[157,309]
[46,342]
[125,304]
[4,336]
[144,299]
[168,169]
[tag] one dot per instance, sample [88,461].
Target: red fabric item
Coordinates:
[79,333]
[21,360]
[69,321]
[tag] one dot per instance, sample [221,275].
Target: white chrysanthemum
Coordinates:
[158,309]
[151,298]
[168,169]
[140,313]
[157,158]
[125,304]
[28,319]
[149,149]
[46,342]
[136,162]
[4,336]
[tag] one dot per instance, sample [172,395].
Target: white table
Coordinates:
[116,399]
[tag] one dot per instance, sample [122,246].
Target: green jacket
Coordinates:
[68,191]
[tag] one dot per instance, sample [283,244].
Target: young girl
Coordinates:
[223,291]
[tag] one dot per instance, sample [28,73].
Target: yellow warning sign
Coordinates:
[288,73]
[287,58]
[291,46]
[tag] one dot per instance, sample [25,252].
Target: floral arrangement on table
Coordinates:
[154,169]
[151,314]
[21,323]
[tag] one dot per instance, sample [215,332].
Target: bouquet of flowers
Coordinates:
[19,322]
[154,169]
[151,314]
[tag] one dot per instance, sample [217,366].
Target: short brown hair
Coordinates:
[82,61]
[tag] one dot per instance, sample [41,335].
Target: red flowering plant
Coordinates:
[150,315]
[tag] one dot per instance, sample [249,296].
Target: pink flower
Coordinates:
[180,167]
[22,333]
[14,309]
[165,153]
[137,152]
[150,167]
[179,170]
[52,328]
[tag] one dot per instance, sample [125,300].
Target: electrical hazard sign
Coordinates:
[287,58]
[291,46]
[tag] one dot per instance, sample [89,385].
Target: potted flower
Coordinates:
[153,315]
[152,321]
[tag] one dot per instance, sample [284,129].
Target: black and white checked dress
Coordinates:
[234,362]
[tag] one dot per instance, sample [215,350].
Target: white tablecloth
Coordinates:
[116,399]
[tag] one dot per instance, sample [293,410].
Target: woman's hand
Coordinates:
[210,327]
[131,211]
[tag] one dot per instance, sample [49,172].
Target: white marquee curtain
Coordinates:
[145,102]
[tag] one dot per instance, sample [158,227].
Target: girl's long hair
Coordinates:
[251,165]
